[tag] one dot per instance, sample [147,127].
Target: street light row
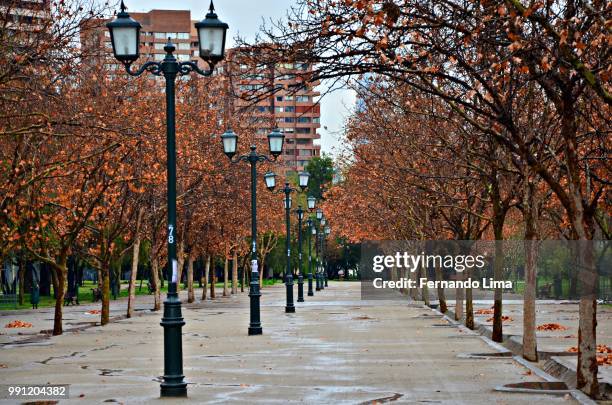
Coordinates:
[275,145]
[125,39]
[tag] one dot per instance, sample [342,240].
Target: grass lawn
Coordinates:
[86,296]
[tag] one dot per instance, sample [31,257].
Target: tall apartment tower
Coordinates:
[288,103]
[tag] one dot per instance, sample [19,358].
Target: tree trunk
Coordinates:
[441,296]
[425,289]
[530,213]
[190,294]
[469,303]
[133,275]
[213,280]
[498,275]
[205,278]
[587,369]
[225,277]
[261,271]
[104,315]
[414,292]
[459,297]
[180,263]
[156,285]
[245,268]
[59,286]
[22,270]
[235,273]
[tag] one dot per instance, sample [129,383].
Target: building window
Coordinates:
[303,141]
[159,35]
[183,35]
[302,130]
[303,99]
[304,120]
[184,46]
[279,109]
[288,76]
[316,120]
[183,57]
[159,56]
[288,98]
[289,109]
[287,131]
[159,46]
[279,98]
[305,152]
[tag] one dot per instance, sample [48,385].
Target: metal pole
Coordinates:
[318,251]
[321,258]
[172,320]
[310,293]
[324,262]
[290,307]
[300,276]
[254,293]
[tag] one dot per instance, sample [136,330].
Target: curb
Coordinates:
[484,333]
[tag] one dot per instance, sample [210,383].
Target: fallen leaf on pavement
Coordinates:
[551,326]
[18,324]
[504,318]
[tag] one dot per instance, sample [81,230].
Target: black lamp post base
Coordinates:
[174,390]
[255,330]
[290,310]
[310,294]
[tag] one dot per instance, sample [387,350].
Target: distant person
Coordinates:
[35,296]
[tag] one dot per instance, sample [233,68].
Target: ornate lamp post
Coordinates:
[287,190]
[300,215]
[322,223]
[125,38]
[318,216]
[275,145]
[311,231]
[327,232]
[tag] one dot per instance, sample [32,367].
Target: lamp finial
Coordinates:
[123,7]
[211,9]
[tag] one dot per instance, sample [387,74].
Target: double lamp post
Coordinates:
[125,38]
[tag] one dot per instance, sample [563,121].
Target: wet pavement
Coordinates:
[335,349]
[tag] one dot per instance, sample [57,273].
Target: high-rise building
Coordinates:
[292,106]
[277,96]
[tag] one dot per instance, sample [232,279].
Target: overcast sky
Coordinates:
[244,18]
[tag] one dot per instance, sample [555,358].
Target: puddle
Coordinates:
[74,354]
[107,372]
[486,356]
[383,400]
[536,387]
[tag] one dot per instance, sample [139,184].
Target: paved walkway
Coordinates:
[334,349]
